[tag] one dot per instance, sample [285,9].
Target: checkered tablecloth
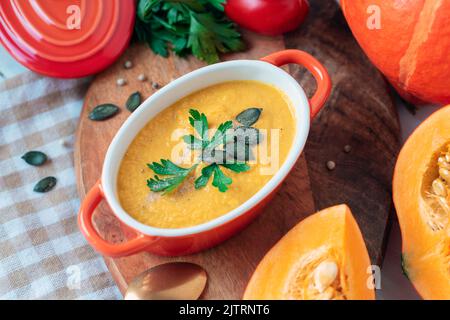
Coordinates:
[42,253]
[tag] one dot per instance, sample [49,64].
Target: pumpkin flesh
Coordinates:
[296,267]
[421,191]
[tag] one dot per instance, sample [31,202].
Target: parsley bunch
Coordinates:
[215,158]
[199,27]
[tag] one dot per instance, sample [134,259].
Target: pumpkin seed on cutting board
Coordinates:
[103,112]
[134,101]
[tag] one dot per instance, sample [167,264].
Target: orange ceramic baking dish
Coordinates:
[188,240]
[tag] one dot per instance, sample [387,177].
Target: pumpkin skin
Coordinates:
[331,234]
[425,244]
[412,46]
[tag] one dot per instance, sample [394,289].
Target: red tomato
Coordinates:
[269,17]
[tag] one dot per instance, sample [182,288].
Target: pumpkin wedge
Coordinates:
[421,190]
[323,257]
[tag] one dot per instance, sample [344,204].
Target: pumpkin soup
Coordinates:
[166,181]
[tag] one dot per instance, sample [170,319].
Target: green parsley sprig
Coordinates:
[214,158]
[175,176]
[199,27]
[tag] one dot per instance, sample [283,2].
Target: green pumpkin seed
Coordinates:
[45,185]
[249,116]
[103,112]
[35,158]
[134,101]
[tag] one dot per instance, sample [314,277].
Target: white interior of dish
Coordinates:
[183,86]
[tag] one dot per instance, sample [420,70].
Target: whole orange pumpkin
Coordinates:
[409,41]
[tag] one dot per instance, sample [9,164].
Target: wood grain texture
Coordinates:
[360,113]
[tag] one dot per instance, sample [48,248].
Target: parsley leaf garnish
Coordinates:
[215,159]
[199,27]
[220,136]
[220,180]
[200,123]
[167,168]
[236,167]
[202,181]
[209,152]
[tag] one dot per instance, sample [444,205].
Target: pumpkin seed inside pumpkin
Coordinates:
[45,185]
[35,158]
[318,277]
[134,101]
[103,112]
[325,274]
[438,190]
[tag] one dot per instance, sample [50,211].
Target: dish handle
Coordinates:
[90,203]
[319,72]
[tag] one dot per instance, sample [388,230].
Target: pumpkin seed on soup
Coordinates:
[103,112]
[45,185]
[134,101]
[249,116]
[35,158]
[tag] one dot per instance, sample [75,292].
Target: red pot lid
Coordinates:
[66,38]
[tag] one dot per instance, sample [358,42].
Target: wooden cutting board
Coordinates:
[360,113]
